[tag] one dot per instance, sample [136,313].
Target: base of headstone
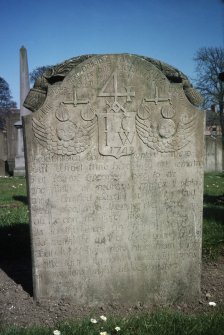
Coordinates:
[19,170]
[19,173]
[2,168]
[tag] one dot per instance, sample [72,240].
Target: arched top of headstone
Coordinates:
[38,93]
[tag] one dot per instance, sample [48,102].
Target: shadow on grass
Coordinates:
[21,198]
[214,214]
[214,199]
[15,254]
[214,209]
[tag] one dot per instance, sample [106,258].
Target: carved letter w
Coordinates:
[125,137]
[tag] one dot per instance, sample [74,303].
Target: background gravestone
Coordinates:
[12,117]
[114,156]
[3,150]
[24,89]
[2,168]
[8,138]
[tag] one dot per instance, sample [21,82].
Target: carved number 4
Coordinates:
[115,93]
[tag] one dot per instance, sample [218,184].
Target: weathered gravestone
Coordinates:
[24,89]
[3,151]
[115,164]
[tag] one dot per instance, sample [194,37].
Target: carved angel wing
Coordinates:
[40,131]
[67,138]
[166,135]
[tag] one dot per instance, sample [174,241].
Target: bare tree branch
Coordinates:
[209,66]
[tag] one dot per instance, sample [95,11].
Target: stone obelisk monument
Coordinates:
[24,90]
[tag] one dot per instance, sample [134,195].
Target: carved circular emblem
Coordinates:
[66,131]
[88,114]
[167,128]
[167,112]
[62,113]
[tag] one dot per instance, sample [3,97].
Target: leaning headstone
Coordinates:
[115,172]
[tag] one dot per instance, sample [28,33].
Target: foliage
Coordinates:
[5,95]
[39,71]
[209,65]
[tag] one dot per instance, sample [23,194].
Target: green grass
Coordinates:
[11,189]
[13,202]
[213,223]
[157,323]
[14,218]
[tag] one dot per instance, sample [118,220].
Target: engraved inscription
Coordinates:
[115,186]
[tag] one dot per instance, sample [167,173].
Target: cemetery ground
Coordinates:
[19,314]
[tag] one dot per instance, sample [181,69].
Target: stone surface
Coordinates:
[12,117]
[213,154]
[115,172]
[24,81]
[24,89]
[19,170]
[3,145]
[2,168]
[3,152]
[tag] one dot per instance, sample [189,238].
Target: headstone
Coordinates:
[24,89]
[12,117]
[3,145]
[115,173]
[213,154]
[3,152]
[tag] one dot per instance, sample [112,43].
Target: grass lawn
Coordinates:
[157,323]
[13,202]
[14,238]
[213,222]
